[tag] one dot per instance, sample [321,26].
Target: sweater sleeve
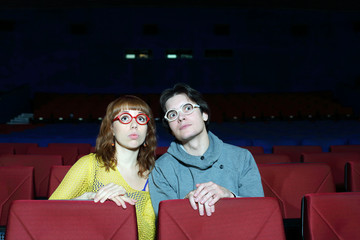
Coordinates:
[160,188]
[77,181]
[250,180]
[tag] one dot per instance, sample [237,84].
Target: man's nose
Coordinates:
[181,116]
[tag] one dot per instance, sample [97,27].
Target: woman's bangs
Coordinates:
[131,104]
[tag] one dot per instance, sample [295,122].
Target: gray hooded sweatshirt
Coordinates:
[176,172]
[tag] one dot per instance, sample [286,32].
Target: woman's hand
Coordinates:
[86,196]
[206,195]
[113,192]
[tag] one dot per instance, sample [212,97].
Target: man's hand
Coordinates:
[206,195]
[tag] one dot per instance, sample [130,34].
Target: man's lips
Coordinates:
[184,126]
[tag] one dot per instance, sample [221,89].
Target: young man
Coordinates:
[198,165]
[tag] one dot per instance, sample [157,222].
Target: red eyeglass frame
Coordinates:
[132,117]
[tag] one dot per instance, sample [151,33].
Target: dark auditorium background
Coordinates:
[222,46]
[255,61]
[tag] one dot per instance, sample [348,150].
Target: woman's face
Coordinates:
[130,128]
[186,126]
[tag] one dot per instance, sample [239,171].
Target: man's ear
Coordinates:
[205,116]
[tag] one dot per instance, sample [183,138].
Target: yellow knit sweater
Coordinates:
[87,175]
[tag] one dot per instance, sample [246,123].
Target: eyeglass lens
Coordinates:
[186,109]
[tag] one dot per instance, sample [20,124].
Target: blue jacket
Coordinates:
[176,172]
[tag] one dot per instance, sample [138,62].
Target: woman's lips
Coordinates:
[134,136]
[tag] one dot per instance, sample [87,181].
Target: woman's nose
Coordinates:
[133,123]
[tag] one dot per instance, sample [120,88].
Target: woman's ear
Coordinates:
[112,130]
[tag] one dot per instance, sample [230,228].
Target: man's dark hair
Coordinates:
[194,96]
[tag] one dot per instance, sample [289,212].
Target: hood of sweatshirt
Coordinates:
[205,161]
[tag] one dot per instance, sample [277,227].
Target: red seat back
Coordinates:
[254,149]
[65,219]
[20,148]
[92,149]
[69,153]
[331,216]
[271,158]
[288,182]
[295,151]
[6,149]
[160,151]
[352,176]
[83,148]
[345,148]
[42,165]
[57,174]
[336,161]
[15,183]
[240,218]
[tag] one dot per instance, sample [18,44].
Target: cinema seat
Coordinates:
[289,182]
[92,149]
[345,148]
[240,218]
[66,219]
[83,148]
[69,153]
[16,182]
[6,150]
[324,142]
[19,148]
[42,165]
[271,158]
[270,141]
[331,216]
[254,149]
[295,152]
[160,151]
[57,174]
[352,177]
[336,161]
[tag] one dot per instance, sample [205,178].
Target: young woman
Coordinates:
[119,170]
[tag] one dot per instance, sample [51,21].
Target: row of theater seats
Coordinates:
[225,107]
[324,216]
[69,152]
[298,170]
[287,183]
[42,158]
[80,107]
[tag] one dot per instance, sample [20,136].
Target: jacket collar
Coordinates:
[206,161]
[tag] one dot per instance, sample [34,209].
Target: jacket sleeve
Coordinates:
[160,188]
[249,179]
[77,180]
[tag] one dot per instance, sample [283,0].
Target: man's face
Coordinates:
[186,126]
